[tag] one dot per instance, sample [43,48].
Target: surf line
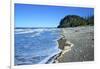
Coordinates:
[65,46]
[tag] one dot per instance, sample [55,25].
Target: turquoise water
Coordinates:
[36,46]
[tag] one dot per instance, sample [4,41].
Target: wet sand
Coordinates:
[77,44]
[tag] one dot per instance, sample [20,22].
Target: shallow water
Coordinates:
[35,46]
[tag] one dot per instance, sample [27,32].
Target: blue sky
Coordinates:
[27,15]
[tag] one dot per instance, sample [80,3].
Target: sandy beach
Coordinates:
[77,44]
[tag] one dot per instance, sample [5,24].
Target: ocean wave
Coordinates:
[23,31]
[49,57]
[31,43]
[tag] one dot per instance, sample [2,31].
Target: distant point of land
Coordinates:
[75,20]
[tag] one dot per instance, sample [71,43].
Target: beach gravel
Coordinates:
[83,40]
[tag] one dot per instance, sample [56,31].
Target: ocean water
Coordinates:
[36,46]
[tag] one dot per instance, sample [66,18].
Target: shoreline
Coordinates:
[65,46]
[77,44]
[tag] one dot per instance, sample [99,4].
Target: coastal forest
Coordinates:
[75,20]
